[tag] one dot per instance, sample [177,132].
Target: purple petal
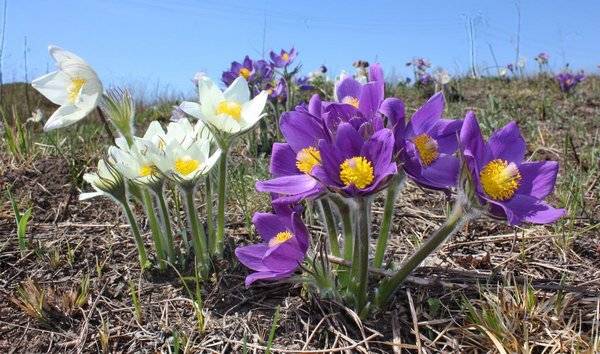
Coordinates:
[376,73]
[268,225]
[315,106]
[288,185]
[251,256]
[538,178]
[426,116]
[284,257]
[443,172]
[348,88]
[348,140]
[300,232]
[525,208]
[379,149]
[508,144]
[283,160]
[370,98]
[300,130]
[266,275]
[472,144]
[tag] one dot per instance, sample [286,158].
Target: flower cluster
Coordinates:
[420,68]
[542,58]
[348,150]
[567,81]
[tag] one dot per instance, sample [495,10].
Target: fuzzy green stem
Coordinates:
[361,255]
[454,222]
[139,242]
[386,223]
[198,235]
[154,227]
[209,212]
[166,219]
[218,244]
[334,246]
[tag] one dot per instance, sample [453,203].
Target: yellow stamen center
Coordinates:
[245,73]
[353,101]
[280,238]
[427,148]
[308,158]
[147,170]
[75,89]
[230,108]
[357,171]
[186,165]
[285,57]
[500,179]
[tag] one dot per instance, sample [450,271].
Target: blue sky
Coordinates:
[161,44]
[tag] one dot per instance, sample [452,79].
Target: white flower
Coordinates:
[522,62]
[136,162]
[75,87]
[181,132]
[36,116]
[106,181]
[185,165]
[503,72]
[441,76]
[230,111]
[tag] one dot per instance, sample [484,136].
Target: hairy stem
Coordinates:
[139,242]
[154,227]
[197,230]
[334,246]
[166,219]
[388,213]
[454,222]
[218,245]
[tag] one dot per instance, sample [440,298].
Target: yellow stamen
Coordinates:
[353,101]
[308,158]
[285,57]
[75,89]
[230,108]
[186,165]
[280,238]
[357,171]
[427,148]
[147,170]
[245,73]
[500,179]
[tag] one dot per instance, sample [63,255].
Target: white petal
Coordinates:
[191,108]
[89,195]
[212,160]
[154,129]
[209,95]
[252,111]
[65,116]
[54,86]
[224,123]
[238,91]
[60,55]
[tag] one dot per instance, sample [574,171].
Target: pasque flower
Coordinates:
[75,87]
[254,71]
[512,188]
[284,58]
[231,111]
[567,81]
[293,162]
[106,181]
[285,242]
[428,143]
[353,166]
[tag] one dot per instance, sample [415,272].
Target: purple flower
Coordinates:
[292,163]
[568,81]
[277,92]
[285,242]
[510,67]
[428,143]
[354,167]
[254,71]
[542,58]
[364,97]
[425,79]
[245,69]
[304,84]
[513,189]
[283,59]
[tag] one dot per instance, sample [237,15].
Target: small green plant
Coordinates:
[22,220]
[274,325]
[135,300]
[16,135]
[104,336]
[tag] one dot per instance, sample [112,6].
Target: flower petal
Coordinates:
[65,116]
[283,160]
[428,114]
[538,178]
[238,91]
[508,144]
